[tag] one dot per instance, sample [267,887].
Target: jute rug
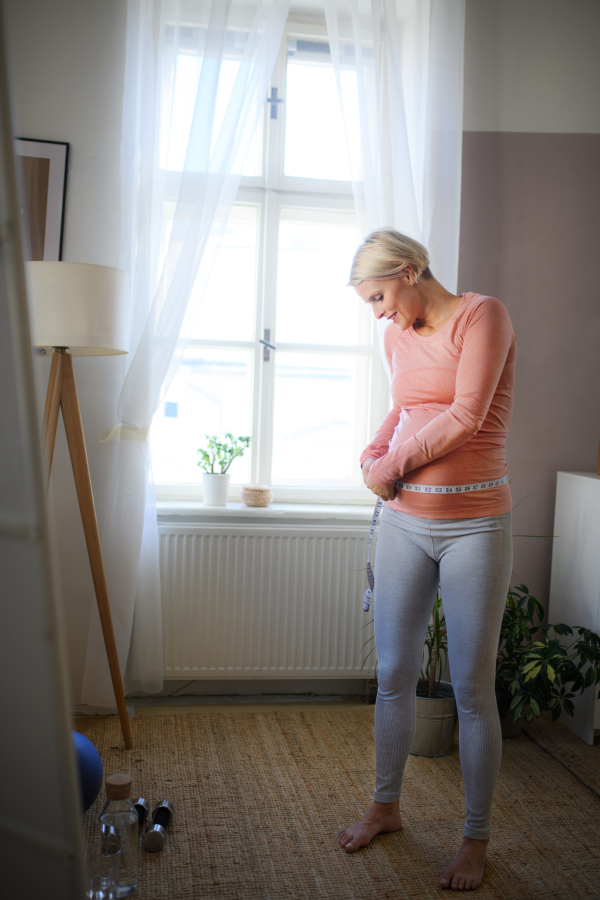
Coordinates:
[259,798]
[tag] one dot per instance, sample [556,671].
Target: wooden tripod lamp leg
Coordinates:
[76,442]
[51,411]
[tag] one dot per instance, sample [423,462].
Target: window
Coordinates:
[312,403]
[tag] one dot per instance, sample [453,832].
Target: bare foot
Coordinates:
[379,818]
[465,872]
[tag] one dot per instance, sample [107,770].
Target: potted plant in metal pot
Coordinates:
[215,460]
[537,675]
[436,704]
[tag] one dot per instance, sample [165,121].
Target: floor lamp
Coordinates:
[80,310]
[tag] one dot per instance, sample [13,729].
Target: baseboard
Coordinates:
[85,710]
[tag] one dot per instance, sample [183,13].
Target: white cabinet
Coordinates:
[575,578]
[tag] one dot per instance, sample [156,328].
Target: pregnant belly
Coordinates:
[412,420]
[481,457]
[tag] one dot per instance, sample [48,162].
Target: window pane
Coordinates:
[315,140]
[314,306]
[211,393]
[178,111]
[228,308]
[319,419]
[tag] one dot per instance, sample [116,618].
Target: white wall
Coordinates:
[66,65]
[532,65]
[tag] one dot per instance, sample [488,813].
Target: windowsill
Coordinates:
[190,511]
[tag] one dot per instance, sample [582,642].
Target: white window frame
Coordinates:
[270,193]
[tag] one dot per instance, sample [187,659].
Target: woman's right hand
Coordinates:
[365,469]
[386,493]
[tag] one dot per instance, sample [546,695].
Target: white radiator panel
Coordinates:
[245,601]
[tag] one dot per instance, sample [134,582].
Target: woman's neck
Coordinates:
[437,305]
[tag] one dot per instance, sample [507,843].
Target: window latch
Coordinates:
[267,345]
[274,100]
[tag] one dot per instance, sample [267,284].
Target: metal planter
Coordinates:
[510,729]
[436,719]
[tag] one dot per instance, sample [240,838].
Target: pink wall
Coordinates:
[530,235]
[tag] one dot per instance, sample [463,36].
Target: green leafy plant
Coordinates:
[536,675]
[219,454]
[436,643]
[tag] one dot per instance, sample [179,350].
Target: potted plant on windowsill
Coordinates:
[533,676]
[215,460]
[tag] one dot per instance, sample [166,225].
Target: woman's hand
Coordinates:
[386,493]
[365,469]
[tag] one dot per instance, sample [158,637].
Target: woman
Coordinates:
[452,360]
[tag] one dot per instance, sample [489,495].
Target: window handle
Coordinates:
[274,100]
[267,345]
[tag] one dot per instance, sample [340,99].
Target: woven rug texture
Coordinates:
[260,797]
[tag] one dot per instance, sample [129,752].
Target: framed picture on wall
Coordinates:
[44,168]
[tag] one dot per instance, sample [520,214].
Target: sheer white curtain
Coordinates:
[196,80]
[401,63]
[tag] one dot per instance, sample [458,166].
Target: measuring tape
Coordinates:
[419,489]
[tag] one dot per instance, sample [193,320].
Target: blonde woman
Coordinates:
[438,461]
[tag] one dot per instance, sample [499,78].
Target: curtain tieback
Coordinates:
[125,433]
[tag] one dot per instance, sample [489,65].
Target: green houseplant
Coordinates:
[216,459]
[436,704]
[535,675]
[436,644]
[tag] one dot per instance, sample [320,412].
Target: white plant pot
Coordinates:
[215,488]
[436,718]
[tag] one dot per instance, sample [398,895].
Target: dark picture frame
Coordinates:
[44,167]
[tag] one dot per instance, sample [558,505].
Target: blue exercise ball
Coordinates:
[90,768]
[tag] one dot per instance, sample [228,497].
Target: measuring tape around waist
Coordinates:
[420,489]
[451,488]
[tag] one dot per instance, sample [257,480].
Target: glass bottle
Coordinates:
[121,814]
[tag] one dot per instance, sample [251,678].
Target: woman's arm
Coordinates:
[487,341]
[380,444]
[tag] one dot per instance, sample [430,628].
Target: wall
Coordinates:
[529,233]
[66,64]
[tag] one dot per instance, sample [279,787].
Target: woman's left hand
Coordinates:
[388,492]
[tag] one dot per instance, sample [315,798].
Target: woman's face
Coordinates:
[392,298]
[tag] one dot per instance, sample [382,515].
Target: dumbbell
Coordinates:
[110,834]
[156,834]
[142,808]
[110,838]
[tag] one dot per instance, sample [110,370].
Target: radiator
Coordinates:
[252,601]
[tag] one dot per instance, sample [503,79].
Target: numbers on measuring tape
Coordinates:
[450,488]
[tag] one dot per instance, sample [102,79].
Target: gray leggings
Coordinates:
[471,559]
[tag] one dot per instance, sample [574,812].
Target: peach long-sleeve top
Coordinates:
[452,395]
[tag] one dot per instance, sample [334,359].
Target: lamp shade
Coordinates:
[79,306]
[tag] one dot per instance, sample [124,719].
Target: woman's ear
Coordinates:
[408,273]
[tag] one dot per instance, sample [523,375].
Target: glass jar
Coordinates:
[121,814]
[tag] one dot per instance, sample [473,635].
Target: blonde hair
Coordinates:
[384,253]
